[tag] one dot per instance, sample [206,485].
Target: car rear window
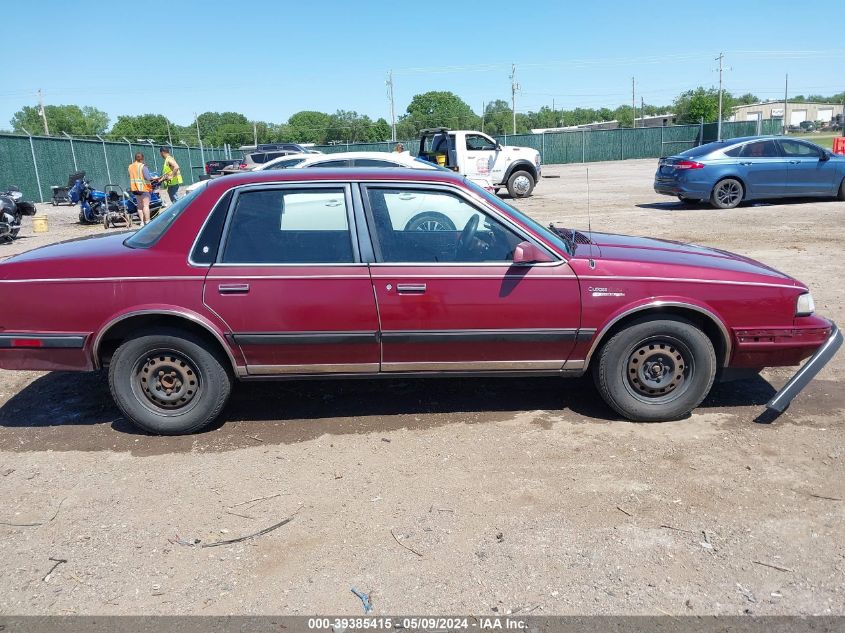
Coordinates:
[148,235]
[702,150]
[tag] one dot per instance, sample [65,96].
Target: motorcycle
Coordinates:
[112,207]
[12,209]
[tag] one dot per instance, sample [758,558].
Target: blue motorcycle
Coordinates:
[112,207]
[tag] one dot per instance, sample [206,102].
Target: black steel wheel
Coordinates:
[656,369]
[727,193]
[169,381]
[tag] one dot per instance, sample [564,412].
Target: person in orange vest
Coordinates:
[140,184]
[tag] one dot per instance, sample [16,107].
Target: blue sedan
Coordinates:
[751,168]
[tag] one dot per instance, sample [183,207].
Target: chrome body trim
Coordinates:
[304,338]
[726,337]
[527,335]
[485,365]
[697,281]
[95,347]
[349,368]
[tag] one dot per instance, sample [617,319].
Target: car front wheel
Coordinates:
[169,382]
[727,194]
[520,184]
[656,369]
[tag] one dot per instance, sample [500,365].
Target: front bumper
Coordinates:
[808,371]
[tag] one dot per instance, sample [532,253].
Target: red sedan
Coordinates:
[392,272]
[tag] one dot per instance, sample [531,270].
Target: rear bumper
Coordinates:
[682,187]
[44,352]
[808,371]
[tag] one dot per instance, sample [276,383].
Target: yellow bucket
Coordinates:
[441,159]
[40,224]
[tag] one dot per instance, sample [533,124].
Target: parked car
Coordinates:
[215,167]
[751,168]
[303,148]
[349,159]
[310,272]
[478,156]
[254,159]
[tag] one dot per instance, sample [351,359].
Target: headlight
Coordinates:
[805,306]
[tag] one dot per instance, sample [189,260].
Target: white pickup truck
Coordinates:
[482,159]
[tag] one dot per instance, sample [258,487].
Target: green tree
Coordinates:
[61,118]
[702,103]
[210,124]
[381,131]
[438,108]
[747,99]
[349,126]
[308,126]
[152,126]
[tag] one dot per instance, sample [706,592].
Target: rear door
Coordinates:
[763,168]
[808,174]
[289,282]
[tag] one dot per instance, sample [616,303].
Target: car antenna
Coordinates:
[589,222]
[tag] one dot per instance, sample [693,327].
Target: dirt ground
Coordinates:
[446,496]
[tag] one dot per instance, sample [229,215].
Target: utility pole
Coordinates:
[719,123]
[42,112]
[255,134]
[633,103]
[642,111]
[514,88]
[169,137]
[483,105]
[389,83]
[199,140]
[785,100]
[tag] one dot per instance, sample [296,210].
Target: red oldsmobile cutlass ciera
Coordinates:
[350,273]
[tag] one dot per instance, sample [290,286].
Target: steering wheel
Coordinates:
[468,234]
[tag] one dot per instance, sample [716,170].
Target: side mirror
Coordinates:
[498,147]
[527,253]
[825,156]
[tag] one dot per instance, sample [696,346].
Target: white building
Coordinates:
[796,113]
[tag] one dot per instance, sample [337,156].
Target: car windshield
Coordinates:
[151,233]
[538,228]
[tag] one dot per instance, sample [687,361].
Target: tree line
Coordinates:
[429,109]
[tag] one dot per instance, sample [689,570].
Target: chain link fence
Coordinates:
[35,163]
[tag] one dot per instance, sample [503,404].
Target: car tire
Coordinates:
[727,193]
[520,184]
[842,190]
[169,381]
[430,221]
[656,369]
[18,217]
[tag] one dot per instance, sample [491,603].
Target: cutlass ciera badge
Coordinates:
[605,292]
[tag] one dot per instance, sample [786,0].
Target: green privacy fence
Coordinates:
[27,161]
[584,146]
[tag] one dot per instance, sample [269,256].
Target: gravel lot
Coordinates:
[437,496]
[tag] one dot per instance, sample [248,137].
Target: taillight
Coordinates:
[242,166]
[688,164]
[27,342]
[207,170]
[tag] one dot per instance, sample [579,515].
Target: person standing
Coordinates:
[171,175]
[140,184]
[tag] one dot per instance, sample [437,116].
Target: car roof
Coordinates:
[361,174]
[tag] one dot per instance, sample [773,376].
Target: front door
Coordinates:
[449,297]
[289,283]
[481,156]
[808,174]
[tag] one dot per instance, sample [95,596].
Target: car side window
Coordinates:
[373,162]
[289,226]
[477,142]
[430,226]
[760,149]
[798,149]
[331,163]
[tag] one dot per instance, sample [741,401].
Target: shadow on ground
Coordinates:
[70,411]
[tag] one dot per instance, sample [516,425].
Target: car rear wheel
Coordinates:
[727,194]
[520,184]
[169,382]
[656,369]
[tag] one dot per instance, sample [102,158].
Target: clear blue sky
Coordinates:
[271,59]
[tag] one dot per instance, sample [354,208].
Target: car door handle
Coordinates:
[794,162]
[410,289]
[746,164]
[233,289]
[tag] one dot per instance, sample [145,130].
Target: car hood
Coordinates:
[665,258]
